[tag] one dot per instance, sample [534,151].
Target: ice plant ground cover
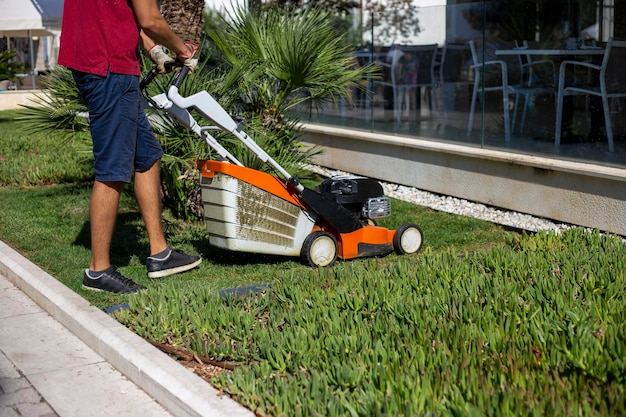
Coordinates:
[535,327]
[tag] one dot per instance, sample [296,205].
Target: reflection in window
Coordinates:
[441,111]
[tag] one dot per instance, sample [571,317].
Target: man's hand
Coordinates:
[188,59]
[164,63]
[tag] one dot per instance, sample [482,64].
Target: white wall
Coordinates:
[225,5]
[431,15]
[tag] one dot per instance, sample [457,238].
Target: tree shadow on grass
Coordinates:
[129,241]
[225,257]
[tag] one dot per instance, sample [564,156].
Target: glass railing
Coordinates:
[482,74]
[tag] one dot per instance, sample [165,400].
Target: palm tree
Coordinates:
[281,59]
[278,60]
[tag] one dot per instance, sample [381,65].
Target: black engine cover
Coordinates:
[348,190]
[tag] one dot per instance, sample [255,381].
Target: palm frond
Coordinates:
[284,58]
[58,107]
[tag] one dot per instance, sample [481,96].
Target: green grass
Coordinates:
[50,223]
[34,159]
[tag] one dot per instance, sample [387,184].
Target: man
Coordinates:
[99,43]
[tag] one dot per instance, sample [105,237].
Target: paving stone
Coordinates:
[40,409]
[11,385]
[8,412]
[67,378]
[24,395]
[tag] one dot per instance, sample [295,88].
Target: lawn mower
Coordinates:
[253,211]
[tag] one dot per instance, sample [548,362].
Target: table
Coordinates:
[561,54]
[550,52]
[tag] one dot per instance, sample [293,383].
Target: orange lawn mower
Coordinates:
[248,210]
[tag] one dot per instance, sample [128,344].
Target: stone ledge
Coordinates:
[13,99]
[569,192]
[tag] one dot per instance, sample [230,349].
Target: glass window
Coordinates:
[492,80]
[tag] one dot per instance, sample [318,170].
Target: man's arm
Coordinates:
[164,63]
[156,28]
[145,42]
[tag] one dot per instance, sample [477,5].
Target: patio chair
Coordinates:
[378,58]
[359,94]
[538,78]
[493,74]
[605,81]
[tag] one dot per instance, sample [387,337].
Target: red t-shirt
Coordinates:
[99,35]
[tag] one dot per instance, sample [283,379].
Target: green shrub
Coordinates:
[9,68]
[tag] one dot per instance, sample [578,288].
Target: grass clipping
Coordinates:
[533,328]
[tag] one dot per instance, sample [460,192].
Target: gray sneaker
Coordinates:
[172,263]
[110,280]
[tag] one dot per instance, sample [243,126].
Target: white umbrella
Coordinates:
[590,32]
[30,18]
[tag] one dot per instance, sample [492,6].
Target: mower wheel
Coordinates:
[408,238]
[319,249]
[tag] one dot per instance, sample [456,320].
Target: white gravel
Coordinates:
[459,206]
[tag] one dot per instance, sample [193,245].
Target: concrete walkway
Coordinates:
[61,357]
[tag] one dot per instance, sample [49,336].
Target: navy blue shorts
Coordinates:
[123,141]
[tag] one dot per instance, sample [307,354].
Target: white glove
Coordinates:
[188,59]
[164,63]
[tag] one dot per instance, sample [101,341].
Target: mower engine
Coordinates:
[364,197]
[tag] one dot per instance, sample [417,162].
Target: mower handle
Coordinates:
[180,77]
[213,111]
[170,66]
[174,83]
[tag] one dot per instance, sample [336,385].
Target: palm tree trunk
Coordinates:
[185,17]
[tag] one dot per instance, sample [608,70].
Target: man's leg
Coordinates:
[147,191]
[112,132]
[163,260]
[103,206]
[101,275]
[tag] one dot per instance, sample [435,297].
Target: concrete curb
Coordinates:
[180,391]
